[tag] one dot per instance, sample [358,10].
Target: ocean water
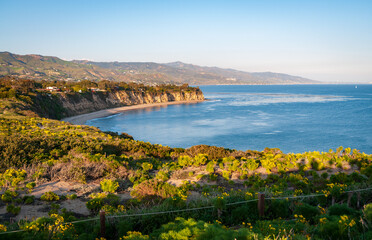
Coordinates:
[294,118]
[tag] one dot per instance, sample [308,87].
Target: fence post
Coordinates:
[261,204]
[350,195]
[358,202]
[102,219]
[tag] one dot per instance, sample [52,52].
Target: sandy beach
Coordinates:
[81,119]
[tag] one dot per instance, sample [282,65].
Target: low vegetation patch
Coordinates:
[310,195]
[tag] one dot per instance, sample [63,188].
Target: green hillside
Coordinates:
[53,68]
[193,74]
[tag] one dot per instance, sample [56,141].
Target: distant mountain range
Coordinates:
[54,68]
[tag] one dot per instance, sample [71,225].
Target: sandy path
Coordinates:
[81,119]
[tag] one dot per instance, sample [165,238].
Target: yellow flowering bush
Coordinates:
[98,195]
[336,189]
[2,228]
[55,227]
[146,166]
[12,177]
[49,196]
[108,185]
[134,236]
[248,195]
[298,192]
[200,159]
[322,210]
[247,225]
[346,222]
[322,220]
[184,161]
[220,202]
[300,218]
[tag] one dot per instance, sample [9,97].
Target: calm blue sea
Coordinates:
[294,118]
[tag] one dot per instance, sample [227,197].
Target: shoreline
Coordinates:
[83,118]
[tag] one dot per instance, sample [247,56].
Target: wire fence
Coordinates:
[194,209]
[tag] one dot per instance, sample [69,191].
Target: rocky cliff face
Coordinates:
[76,104]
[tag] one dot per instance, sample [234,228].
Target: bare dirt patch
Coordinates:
[64,188]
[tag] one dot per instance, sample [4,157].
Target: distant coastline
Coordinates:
[150,73]
[83,118]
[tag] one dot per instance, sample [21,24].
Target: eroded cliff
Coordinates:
[75,104]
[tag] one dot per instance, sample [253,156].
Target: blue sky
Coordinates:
[323,40]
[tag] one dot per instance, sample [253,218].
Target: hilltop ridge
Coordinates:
[35,66]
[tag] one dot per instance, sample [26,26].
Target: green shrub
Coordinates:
[54,209]
[367,212]
[340,209]
[147,166]
[339,178]
[12,177]
[357,178]
[367,171]
[162,175]
[30,186]
[235,165]
[243,176]
[200,159]
[71,196]
[210,167]
[6,198]
[179,229]
[124,227]
[245,213]
[217,232]
[272,178]
[317,165]
[343,227]
[49,196]
[226,175]
[175,202]
[13,209]
[251,164]
[135,236]
[279,208]
[108,185]
[324,175]
[28,199]
[111,199]
[199,176]
[95,204]
[109,209]
[184,161]
[153,188]
[307,211]
[329,230]
[213,177]
[219,203]
[9,195]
